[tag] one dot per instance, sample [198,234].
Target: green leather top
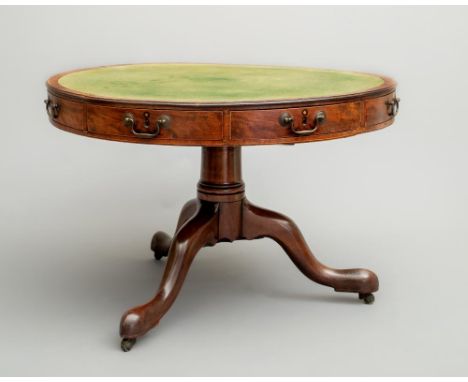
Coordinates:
[215,83]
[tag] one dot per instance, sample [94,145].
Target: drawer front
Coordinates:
[265,124]
[69,113]
[189,125]
[378,110]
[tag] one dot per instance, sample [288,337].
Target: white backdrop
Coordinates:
[77,214]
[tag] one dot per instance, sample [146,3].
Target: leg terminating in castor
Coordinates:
[127,344]
[368,298]
[195,233]
[160,244]
[259,222]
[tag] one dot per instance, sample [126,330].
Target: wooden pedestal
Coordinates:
[222,213]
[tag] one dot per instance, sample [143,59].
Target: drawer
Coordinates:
[68,113]
[378,110]
[265,124]
[189,125]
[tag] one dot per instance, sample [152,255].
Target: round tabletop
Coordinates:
[219,105]
[214,83]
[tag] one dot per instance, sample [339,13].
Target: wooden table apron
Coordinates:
[221,211]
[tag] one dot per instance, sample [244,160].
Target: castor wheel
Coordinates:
[367,297]
[127,344]
[160,244]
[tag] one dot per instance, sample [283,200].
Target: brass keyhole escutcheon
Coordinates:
[304,117]
[146,123]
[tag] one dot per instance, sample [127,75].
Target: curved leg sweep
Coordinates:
[222,213]
[259,222]
[161,241]
[198,231]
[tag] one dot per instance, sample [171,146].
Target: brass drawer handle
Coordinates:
[393,107]
[129,122]
[52,108]
[287,120]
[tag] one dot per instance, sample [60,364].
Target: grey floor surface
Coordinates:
[72,264]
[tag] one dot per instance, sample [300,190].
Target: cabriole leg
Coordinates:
[198,231]
[259,222]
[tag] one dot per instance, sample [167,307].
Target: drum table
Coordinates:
[222,108]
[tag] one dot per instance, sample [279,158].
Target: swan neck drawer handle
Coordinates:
[287,120]
[52,108]
[393,107]
[129,122]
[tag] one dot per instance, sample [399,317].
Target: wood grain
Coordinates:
[184,125]
[221,211]
[264,124]
[71,114]
[212,219]
[215,124]
[377,110]
[223,127]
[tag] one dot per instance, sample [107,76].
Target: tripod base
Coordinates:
[222,213]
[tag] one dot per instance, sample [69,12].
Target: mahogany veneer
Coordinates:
[221,211]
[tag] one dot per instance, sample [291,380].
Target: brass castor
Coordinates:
[160,244]
[127,344]
[367,297]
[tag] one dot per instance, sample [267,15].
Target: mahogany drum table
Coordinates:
[222,108]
